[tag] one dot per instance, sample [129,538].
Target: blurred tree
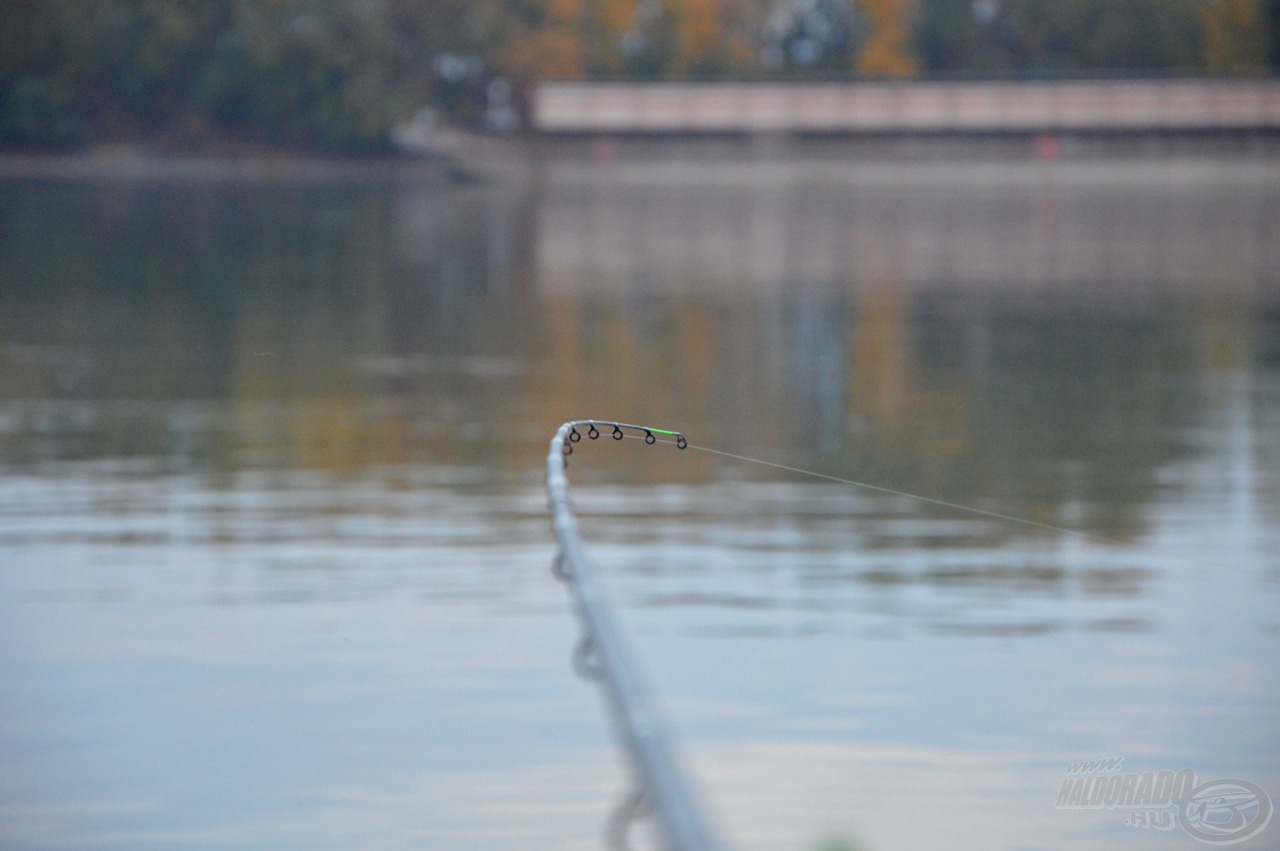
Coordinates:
[1272,25]
[338,74]
[604,25]
[1111,35]
[1057,36]
[546,41]
[651,43]
[1235,36]
[437,54]
[888,53]
[551,53]
[812,35]
[48,65]
[717,38]
[324,73]
[700,36]
[632,38]
[966,36]
[152,53]
[317,72]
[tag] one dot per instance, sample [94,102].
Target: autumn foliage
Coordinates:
[339,74]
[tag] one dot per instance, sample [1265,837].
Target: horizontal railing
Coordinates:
[916,107]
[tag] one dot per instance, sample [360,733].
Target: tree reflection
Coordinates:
[345,329]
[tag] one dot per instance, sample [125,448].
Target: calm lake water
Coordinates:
[273,544]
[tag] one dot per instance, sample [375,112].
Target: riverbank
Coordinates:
[140,163]
[455,156]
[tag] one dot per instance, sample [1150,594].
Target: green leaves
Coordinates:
[1060,36]
[331,75]
[315,74]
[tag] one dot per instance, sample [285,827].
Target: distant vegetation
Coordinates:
[338,74]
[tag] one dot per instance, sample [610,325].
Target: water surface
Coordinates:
[273,546]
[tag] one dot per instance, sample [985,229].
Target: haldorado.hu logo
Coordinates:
[1217,812]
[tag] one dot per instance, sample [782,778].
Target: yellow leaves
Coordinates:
[886,55]
[563,11]
[888,51]
[682,38]
[701,28]
[1235,36]
[742,53]
[617,15]
[548,54]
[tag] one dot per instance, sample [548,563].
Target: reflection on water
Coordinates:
[273,548]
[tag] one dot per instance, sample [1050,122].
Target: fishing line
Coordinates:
[649,436]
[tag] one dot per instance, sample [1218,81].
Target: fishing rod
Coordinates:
[603,655]
[619,431]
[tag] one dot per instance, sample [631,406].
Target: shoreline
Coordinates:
[673,162]
[136,163]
